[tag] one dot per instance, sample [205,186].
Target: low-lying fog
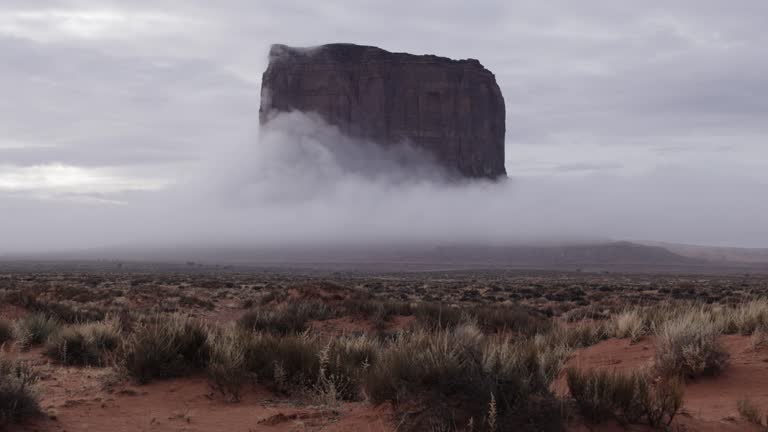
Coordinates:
[303,184]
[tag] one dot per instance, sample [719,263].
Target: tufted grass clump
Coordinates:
[283,319]
[90,344]
[459,374]
[331,369]
[35,329]
[166,346]
[632,398]
[227,369]
[18,398]
[629,325]
[746,318]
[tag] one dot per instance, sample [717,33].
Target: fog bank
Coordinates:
[302,184]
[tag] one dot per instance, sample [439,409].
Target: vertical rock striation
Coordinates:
[452,108]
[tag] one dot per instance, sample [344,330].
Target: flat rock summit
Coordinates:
[452,108]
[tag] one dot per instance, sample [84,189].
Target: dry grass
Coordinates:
[746,318]
[470,358]
[90,344]
[227,369]
[602,395]
[629,325]
[283,319]
[165,347]
[6,331]
[35,329]
[459,373]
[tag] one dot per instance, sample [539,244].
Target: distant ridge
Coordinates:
[716,253]
[620,253]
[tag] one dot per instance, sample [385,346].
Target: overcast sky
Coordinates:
[657,106]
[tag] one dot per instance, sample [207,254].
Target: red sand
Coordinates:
[77,402]
[710,402]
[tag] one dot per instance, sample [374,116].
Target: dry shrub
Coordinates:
[458,374]
[759,338]
[35,329]
[284,319]
[601,395]
[660,401]
[506,318]
[437,315]
[749,411]
[689,346]
[6,331]
[18,399]
[84,345]
[332,370]
[489,318]
[286,363]
[343,364]
[166,347]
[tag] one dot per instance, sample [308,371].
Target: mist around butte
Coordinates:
[129,127]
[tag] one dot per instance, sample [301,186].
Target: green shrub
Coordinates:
[85,344]
[18,400]
[35,329]
[166,347]
[689,346]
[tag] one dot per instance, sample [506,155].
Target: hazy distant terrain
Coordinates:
[592,257]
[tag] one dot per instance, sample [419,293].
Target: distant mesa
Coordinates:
[452,108]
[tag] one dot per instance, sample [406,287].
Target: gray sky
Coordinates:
[640,120]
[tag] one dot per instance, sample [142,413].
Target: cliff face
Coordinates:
[452,108]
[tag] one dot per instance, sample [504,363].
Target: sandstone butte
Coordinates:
[453,109]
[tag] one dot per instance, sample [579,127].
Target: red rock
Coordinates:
[452,108]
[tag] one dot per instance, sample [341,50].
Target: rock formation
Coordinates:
[452,108]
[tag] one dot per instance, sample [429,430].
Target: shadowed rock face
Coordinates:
[452,108]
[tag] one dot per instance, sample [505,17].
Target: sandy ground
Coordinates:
[710,402]
[80,399]
[76,400]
